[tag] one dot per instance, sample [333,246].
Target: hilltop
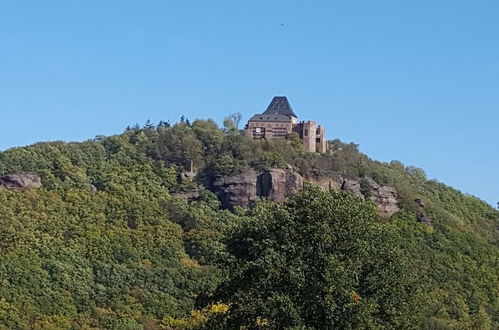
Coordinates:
[191,225]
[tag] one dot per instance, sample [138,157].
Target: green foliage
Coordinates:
[113,258]
[365,188]
[458,272]
[321,260]
[228,165]
[109,241]
[269,160]
[294,140]
[231,123]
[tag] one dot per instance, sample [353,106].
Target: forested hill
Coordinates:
[119,236]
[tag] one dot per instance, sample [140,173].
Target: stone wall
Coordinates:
[322,144]
[309,136]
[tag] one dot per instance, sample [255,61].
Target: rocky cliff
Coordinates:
[385,197]
[20,181]
[243,189]
[277,184]
[421,214]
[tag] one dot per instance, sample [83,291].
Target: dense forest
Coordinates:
[110,240]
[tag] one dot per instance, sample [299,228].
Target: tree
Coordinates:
[269,160]
[149,125]
[417,173]
[210,136]
[231,123]
[319,261]
[236,119]
[365,188]
[165,124]
[295,140]
[228,165]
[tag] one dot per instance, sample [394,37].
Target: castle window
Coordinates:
[306,132]
[279,133]
[318,140]
[258,132]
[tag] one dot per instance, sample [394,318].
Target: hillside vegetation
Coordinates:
[110,241]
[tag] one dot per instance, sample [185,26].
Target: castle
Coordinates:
[279,120]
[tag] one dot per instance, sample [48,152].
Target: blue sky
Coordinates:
[416,81]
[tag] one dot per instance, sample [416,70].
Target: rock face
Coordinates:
[274,184]
[384,197]
[243,189]
[421,215]
[93,189]
[190,194]
[20,181]
[277,184]
[238,190]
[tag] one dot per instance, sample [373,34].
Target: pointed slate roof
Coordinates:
[267,118]
[280,106]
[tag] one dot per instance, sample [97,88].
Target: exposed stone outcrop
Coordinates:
[93,189]
[243,189]
[277,184]
[383,196]
[327,182]
[237,190]
[190,194]
[20,181]
[420,203]
[352,186]
[421,215]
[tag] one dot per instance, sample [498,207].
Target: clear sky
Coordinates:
[416,81]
